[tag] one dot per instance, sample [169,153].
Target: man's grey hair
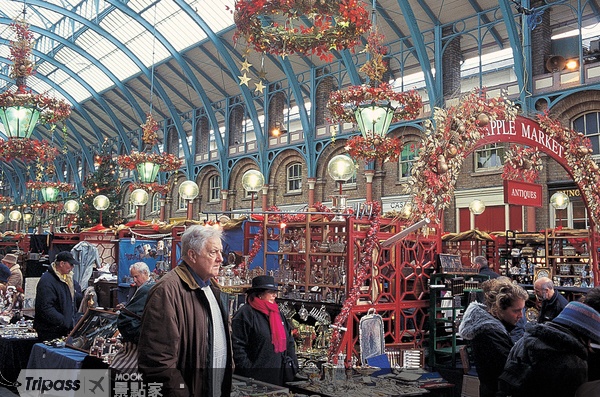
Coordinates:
[195,237]
[140,267]
[481,261]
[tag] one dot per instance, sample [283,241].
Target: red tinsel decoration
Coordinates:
[363,271]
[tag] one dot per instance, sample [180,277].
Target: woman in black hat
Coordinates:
[262,335]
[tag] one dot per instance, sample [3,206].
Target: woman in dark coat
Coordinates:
[261,334]
[487,328]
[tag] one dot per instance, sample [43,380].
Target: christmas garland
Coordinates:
[336,25]
[374,148]
[27,150]
[151,187]
[522,163]
[447,141]
[60,186]
[166,161]
[363,271]
[342,103]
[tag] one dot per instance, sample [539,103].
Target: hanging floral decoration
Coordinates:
[363,271]
[60,186]
[447,141]
[49,205]
[53,111]
[166,161]
[151,187]
[27,150]
[5,200]
[374,148]
[343,103]
[277,26]
[578,154]
[150,130]
[522,163]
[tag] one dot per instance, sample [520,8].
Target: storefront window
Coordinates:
[588,124]
[156,202]
[488,157]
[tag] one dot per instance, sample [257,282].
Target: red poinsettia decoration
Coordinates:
[374,148]
[342,103]
[60,186]
[27,150]
[336,25]
[522,163]
[151,187]
[166,161]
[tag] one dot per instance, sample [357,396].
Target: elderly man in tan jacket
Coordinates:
[16,276]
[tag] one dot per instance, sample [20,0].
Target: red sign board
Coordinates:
[522,193]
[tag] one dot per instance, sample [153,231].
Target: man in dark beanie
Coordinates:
[551,358]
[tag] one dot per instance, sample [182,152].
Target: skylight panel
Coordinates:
[95,78]
[219,17]
[121,65]
[173,27]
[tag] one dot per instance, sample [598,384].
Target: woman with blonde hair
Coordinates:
[487,329]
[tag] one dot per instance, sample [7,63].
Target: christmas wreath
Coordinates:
[374,148]
[522,163]
[336,25]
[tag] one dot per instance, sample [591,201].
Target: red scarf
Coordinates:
[271,310]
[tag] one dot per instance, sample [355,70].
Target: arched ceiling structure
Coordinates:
[103,56]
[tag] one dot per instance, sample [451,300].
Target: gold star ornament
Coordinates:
[244,79]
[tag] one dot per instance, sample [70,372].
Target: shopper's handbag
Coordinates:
[289,367]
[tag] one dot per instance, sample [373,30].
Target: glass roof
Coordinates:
[115,36]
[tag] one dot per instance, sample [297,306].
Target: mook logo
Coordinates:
[64,383]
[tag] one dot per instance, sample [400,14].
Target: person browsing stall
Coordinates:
[487,329]
[482,265]
[552,301]
[16,276]
[57,299]
[261,335]
[551,359]
[130,318]
[185,340]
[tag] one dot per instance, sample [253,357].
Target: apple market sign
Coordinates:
[526,132]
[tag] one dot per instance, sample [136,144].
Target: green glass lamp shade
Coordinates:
[147,171]
[19,121]
[49,194]
[374,119]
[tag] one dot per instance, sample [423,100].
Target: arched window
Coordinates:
[214,186]
[156,202]
[589,124]
[407,157]
[489,156]
[294,178]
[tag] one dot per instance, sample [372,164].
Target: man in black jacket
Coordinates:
[57,299]
[552,301]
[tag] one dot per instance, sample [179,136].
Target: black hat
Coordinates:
[263,283]
[67,257]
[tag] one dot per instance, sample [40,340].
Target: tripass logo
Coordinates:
[64,382]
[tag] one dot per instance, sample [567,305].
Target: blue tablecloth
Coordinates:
[47,357]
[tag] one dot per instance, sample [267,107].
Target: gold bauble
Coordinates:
[452,150]
[483,119]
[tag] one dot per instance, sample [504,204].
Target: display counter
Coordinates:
[14,353]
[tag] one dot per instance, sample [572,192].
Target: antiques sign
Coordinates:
[522,193]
